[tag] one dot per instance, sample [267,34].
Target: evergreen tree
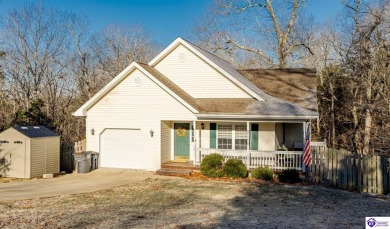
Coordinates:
[34,116]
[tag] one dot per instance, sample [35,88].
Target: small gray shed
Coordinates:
[29,151]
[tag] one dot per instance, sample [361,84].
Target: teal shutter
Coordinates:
[213,135]
[254,136]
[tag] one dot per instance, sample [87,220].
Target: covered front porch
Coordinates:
[277,144]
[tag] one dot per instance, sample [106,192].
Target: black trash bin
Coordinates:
[94,160]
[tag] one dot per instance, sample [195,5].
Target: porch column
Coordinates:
[195,140]
[248,159]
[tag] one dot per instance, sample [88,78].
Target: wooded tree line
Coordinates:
[351,54]
[51,63]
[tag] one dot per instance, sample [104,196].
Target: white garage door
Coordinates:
[122,149]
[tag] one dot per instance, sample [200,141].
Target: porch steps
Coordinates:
[180,166]
[173,172]
[182,159]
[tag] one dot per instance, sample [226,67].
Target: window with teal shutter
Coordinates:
[254,136]
[213,135]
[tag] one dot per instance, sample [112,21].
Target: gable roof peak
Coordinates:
[222,66]
[150,72]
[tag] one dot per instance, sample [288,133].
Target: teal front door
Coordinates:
[182,139]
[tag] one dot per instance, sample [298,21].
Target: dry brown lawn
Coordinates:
[184,203]
[11,179]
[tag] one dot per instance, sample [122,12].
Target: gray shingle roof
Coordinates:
[271,105]
[275,107]
[35,131]
[296,85]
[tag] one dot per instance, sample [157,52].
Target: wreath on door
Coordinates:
[181,131]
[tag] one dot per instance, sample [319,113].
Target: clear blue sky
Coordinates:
[164,19]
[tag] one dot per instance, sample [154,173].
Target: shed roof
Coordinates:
[35,131]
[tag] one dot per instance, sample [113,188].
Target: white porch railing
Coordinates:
[276,160]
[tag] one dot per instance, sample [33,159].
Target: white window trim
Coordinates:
[233,134]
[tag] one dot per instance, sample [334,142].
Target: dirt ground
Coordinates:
[188,203]
[10,179]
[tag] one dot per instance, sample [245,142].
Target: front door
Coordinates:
[182,140]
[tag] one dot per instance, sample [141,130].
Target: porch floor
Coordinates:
[189,165]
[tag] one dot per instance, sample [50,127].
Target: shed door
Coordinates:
[120,148]
[13,157]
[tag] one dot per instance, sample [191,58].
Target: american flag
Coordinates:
[306,149]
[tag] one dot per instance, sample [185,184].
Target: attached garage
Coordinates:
[29,151]
[123,148]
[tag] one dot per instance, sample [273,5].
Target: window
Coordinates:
[241,138]
[225,136]
[232,136]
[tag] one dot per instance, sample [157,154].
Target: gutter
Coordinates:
[267,117]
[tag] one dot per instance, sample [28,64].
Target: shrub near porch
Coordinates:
[264,173]
[212,165]
[235,168]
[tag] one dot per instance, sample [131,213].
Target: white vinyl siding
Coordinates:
[196,77]
[205,141]
[166,127]
[135,106]
[267,136]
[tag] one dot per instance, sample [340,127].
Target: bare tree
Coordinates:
[50,56]
[34,42]
[37,44]
[81,62]
[276,33]
[363,45]
[116,47]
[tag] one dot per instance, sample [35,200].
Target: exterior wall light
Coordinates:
[202,126]
[151,133]
[92,131]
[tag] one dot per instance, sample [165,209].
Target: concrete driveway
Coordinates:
[72,184]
